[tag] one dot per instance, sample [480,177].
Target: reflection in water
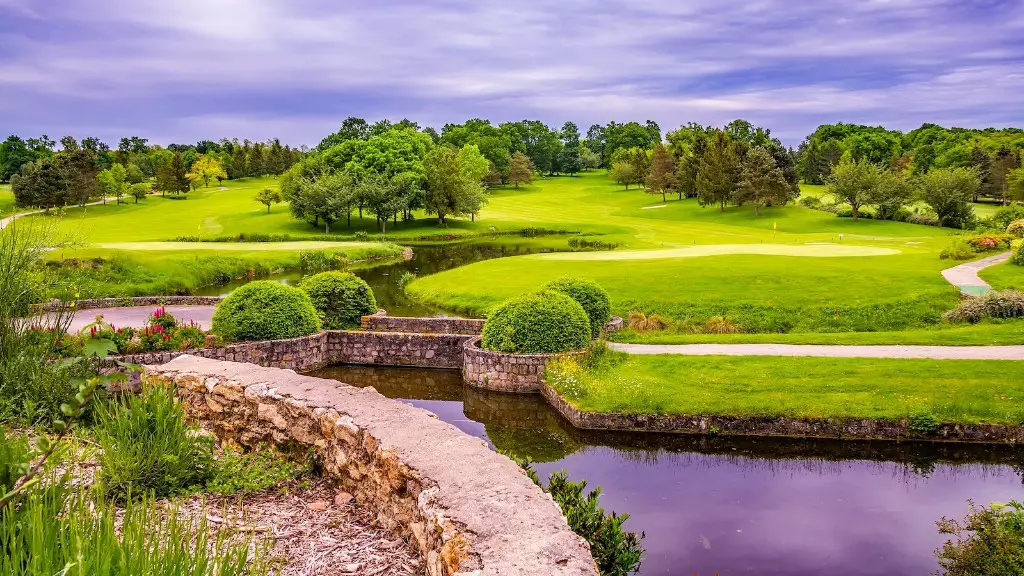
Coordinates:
[735,505]
[427,259]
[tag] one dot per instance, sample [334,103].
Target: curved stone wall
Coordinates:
[138,301]
[504,372]
[469,510]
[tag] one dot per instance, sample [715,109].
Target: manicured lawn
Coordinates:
[1007,333]
[963,391]
[96,272]
[1004,276]
[6,200]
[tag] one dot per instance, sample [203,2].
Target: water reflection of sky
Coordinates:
[750,514]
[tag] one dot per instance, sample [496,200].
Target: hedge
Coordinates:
[265,310]
[546,322]
[340,298]
[590,295]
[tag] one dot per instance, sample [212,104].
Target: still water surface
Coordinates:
[735,506]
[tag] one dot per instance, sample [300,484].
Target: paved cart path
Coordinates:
[136,316]
[965,276]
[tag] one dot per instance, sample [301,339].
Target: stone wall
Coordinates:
[138,301]
[464,326]
[468,510]
[614,324]
[839,428]
[300,354]
[504,372]
[396,349]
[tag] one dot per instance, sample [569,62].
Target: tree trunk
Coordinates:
[757,211]
[268,208]
[855,209]
[349,218]
[662,195]
[360,212]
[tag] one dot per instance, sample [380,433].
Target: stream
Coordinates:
[732,506]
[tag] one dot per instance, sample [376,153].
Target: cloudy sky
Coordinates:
[185,70]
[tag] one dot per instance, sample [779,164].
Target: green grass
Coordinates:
[6,200]
[1006,276]
[961,391]
[96,272]
[765,289]
[986,334]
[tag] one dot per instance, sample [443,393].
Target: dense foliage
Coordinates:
[591,297]
[988,542]
[994,304]
[340,298]
[542,323]
[148,450]
[265,310]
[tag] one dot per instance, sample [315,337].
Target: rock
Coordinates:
[342,498]
[319,506]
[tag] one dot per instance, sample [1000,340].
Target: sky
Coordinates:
[186,70]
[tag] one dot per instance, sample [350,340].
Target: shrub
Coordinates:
[361,235]
[148,449]
[14,454]
[340,298]
[989,242]
[923,219]
[847,212]
[1006,215]
[162,318]
[546,322]
[989,542]
[244,473]
[1005,304]
[265,310]
[1015,229]
[957,251]
[406,279]
[640,322]
[1017,246]
[923,424]
[720,325]
[590,295]
[812,202]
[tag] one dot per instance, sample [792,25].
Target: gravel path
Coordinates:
[965,276]
[136,316]
[829,351]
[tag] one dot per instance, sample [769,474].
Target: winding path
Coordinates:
[136,316]
[965,276]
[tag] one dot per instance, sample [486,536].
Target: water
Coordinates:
[736,506]
[427,259]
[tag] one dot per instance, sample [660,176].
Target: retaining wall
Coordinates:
[469,511]
[396,349]
[463,326]
[504,372]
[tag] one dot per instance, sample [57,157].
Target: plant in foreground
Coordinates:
[988,542]
[617,552]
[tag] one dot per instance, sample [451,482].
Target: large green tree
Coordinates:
[854,182]
[949,192]
[570,161]
[662,177]
[717,172]
[761,182]
[449,192]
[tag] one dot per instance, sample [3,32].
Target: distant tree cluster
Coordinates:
[738,164]
[994,154]
[44,176]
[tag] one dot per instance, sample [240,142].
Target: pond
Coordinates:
[427,259]
[735,506]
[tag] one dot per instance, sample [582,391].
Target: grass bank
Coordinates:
[1006,276]
[952,391]
[985,334]
[6,200]
[103,273]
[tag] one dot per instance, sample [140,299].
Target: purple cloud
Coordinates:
[187,70]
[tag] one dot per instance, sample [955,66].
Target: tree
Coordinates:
[14,153]
[662,178]
[171,176]
[1003,162]
[474,166]
[570,161]
[204,169]
[761,182]
[112,181]
[623,173]
[133,174]
[716,172]
[892,192]
[41,184]
[519,170]
[449,191]
[949,192]
[268,196]
[589,159]
[853,182]
[1015,184]
[139,191]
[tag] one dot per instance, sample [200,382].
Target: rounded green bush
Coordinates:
[546,322]
[1016,229]
[590,295]
[265,310]
[341,299]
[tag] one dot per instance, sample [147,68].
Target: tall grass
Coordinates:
[148,449]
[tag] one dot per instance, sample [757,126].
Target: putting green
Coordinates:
[233,246]
[817,250]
